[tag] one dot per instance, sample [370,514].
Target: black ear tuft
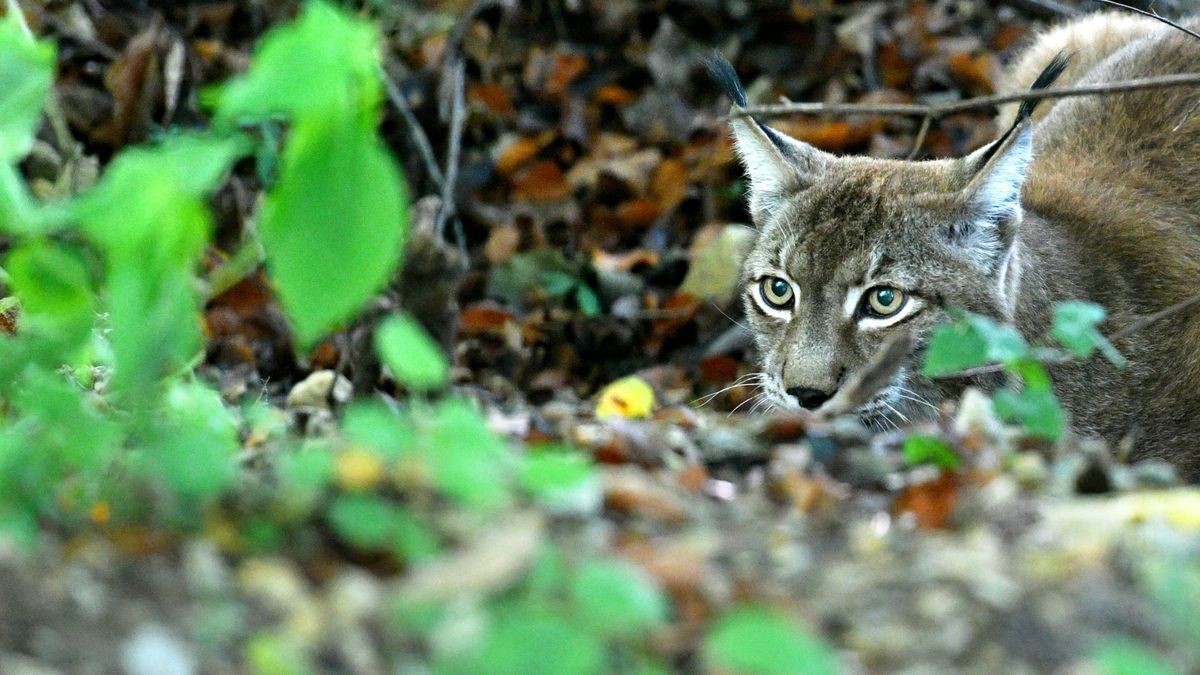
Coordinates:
[722,71]
[1047,77]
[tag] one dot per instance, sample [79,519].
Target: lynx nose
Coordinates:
[809,398]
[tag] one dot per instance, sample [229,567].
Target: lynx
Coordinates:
[1093,198]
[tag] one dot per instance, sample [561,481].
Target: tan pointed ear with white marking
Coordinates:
[993,195]
[775,163]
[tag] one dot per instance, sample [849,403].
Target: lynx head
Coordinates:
[851,250]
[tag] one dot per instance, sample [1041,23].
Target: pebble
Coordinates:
[154,650]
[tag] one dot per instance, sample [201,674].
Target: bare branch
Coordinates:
[454,151]
[1153,15]
[419,138]
[1156,316]
[926,122]
[939,110]
[1043,9]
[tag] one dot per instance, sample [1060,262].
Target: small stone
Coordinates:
[154,650]
[203,568]
[1029,470]
[352,596]
[320,390]
[273,581]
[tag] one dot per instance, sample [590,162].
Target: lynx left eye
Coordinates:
[776,292]
[884,301]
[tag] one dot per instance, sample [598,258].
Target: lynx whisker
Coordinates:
[747,380]
[752,398]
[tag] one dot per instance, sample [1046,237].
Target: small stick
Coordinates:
[1045,9]
[414,129]
[926,122]
[454,151]
[940,110]
[1153,15]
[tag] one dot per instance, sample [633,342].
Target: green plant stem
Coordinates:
[243,261]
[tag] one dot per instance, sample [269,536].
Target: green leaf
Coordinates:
[549,471]
[969,342]
[56,296]
[333,227]
[586,298]
[561,479]
[1034,408]
[364,521]
[276,654]
[533,643]
[1075,327]
[1121,656]
[470,462]
[615,598]
[26,75]
[930,450]
[149,217]
[324,62]
[194,444]
[761,640]
[542,272]
[412,356]
[375,425]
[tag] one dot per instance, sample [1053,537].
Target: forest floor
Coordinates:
[596,214]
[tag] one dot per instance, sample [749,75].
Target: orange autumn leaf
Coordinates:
[566,67]
[492,96]
[515,155]
[973,72]
[931,502]
[833,136]
[612,94]
[623,262]
[638,213]
[669,183]
[483,320]
[542,182]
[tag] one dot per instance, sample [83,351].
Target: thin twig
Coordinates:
[926,122]
[454,151]
[1113,337]
[419,138]
[1151,318]
[1153,15]
[939,110]
[1043,9]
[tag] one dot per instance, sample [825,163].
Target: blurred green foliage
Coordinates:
[971,341]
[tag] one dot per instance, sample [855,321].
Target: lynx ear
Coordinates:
[995,176]
[775,163]
[993,195]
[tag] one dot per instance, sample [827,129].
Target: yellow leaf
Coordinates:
[358,469]
[629,397]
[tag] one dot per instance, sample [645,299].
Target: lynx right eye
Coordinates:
[776,292]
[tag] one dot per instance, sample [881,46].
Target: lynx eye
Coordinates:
[776,292]
[884,301]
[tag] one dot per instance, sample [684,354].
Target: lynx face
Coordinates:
[852,250]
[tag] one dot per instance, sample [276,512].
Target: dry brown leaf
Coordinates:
[542,182]
[638,213]
[931,502]
[669,183]
[516,154]
[973,72]
[493,97]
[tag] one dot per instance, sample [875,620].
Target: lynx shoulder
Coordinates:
[1089,198]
